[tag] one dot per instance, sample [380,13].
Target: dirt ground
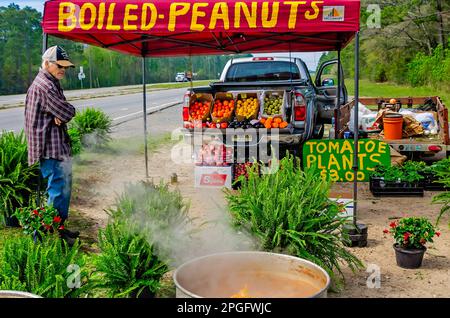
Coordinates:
[98,178]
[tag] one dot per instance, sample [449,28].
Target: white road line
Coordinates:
[117,118]
[139,112]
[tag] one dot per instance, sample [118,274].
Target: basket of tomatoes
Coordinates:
[200,107]
[223,108]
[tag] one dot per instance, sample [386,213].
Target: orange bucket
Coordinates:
[393,126]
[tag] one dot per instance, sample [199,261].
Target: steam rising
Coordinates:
[161,216]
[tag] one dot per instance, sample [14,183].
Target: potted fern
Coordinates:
[18,181]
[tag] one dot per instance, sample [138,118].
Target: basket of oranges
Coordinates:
[247,106]
[274,122]
[200,106]
[223,108]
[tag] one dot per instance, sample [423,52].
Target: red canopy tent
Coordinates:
[167,28]
[193,27]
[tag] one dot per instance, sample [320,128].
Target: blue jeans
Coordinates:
[59,186]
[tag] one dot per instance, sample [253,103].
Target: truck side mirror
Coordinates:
[328,82]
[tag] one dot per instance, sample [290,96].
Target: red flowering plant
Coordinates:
[412,232]
[43,220]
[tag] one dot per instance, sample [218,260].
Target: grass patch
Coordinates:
[371,89]
[9,233]
[180,85]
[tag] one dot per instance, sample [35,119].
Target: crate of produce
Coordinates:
[223,108]
[214,154]
[379,187]
[241,169]
[247,106]
[200,107]
[273,104]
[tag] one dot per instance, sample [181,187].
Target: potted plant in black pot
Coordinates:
[410,235]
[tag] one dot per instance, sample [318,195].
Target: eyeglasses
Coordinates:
[60,66]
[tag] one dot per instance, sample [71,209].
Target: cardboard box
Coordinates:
[213,177]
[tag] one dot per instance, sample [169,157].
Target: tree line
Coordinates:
[411,46]
[21,51]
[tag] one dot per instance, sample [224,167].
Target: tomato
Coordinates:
[223,125]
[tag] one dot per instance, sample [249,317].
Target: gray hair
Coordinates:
[43,63]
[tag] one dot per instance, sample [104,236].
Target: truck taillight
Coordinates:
[185,113]
[299,107]
[186,99]
[299,113]
[434,148]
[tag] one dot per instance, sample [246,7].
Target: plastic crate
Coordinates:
[430,183]
[379,187]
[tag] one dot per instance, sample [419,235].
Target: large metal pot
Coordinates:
[250,274]
[16,294]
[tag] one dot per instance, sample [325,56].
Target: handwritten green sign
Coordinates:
[335,157]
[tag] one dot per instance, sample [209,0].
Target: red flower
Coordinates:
[393,224]
[438,234]
[385,231]
[61,227]
[35,212]
[42,209]
[406,236]
[48,227]
[57,219]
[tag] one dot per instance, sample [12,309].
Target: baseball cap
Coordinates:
[58,55]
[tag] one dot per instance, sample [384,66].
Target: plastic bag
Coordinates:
[362,110]
[426,119]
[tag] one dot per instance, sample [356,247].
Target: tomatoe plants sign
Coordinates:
[335,157]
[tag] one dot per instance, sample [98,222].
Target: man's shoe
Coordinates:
[70,233]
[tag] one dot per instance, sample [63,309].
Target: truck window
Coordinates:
[262,71]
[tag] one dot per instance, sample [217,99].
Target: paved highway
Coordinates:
[120,108]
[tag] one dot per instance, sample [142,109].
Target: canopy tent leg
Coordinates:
[144,94]
[356,230]
[44,42]
[338,94]
[356,130]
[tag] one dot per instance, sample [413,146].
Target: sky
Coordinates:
[311,59]
[37,4]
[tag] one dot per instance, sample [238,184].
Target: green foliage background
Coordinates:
[20,58]
[407,49]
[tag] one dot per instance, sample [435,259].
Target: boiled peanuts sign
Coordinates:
[335,157]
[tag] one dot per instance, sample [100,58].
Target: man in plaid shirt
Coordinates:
[46,114]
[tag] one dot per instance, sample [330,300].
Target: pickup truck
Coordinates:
[309,104]
[427,147]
